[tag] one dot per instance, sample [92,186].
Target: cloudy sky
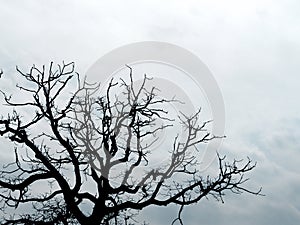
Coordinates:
[251,47]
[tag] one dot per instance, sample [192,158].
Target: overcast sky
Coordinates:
[251,47]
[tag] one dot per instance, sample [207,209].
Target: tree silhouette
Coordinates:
[78,156]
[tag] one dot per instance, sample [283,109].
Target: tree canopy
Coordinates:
[77,156]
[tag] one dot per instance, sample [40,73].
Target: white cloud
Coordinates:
[252,47]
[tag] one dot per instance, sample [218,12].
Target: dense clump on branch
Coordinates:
[73,148]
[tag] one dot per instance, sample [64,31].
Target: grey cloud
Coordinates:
[251,47]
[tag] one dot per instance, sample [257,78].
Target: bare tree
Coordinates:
[77,157]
